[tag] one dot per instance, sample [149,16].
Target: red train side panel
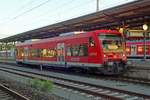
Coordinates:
[101,50]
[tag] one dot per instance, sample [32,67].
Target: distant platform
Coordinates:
[138,69]
[7,61]
[140,64]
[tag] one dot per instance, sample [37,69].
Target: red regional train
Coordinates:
[135,45]
[101,51]
[135,50]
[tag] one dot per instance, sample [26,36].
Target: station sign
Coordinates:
[135,33]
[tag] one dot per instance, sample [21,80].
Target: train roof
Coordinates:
[71,36]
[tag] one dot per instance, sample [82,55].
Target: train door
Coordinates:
[25,54]
[61,53]
[133,50]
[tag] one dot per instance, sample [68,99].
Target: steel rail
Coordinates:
[12,93]
[31,75]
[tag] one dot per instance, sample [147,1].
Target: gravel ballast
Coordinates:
[22,86]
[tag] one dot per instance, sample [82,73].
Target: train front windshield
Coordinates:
[111,42]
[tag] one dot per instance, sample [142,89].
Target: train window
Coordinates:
[17,53]
[140,49]
[51,53]
[147,49]
[36,52]
[69,51]
[25,52]
[20,52]
[48,53]
[77,50]
[83,50]
[91,42]
[43,52]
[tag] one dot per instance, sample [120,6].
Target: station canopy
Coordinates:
[129,15]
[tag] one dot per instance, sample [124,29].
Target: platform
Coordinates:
[137,69]
[139,64]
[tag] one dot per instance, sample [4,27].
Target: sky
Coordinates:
[17,16]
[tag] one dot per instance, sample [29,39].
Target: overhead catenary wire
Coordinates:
[56,13]
[26,5]
[29,10]
[35,7]
[25,12]
[4,20]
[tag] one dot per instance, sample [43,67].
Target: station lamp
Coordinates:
[121,30]
[145,27]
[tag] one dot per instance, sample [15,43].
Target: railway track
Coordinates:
[114,78]
[129,80]
[95,91]
[8,94]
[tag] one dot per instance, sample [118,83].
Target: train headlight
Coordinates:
[124,56]
[104,56]
[115,56]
